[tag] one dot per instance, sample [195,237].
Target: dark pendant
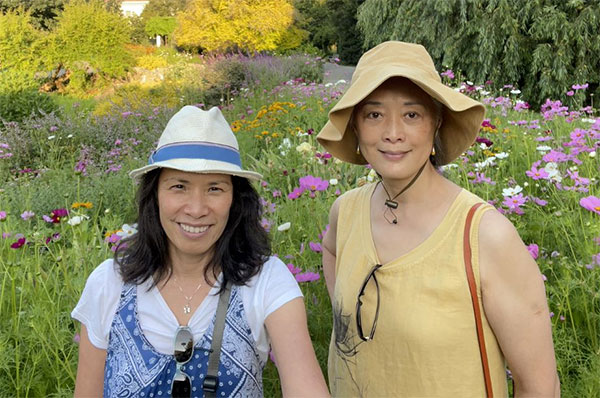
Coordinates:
[395,222]
[391,204]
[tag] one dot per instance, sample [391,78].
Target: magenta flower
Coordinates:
[313,183]
[296,193]
[315,246]
[26,215]
[536,173]
[448,73]
[2,215]
[591,203]
[483,140]
[20,242]
[57,215]
[293,269]
[308,277]
[266,224]
[534,250]
[515,202]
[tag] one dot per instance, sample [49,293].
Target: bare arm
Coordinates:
[514,301]
[90,369]
[329,248]
[297,364]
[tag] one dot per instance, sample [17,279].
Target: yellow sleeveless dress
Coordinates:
[425,343]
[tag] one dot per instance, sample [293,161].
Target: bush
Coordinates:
[20,98]
[87,32]
[20,43]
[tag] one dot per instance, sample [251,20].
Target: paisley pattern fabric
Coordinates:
[135,369]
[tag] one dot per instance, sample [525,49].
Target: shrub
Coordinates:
[19,97]
[20,43]
[87,32]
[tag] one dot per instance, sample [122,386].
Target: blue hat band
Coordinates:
[196,151]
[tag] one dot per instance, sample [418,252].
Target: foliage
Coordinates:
[19,97]
[20,43]
[43,12]
[160,26]
[542,47]
[137,28]
[221,25]
[87,32]
[348,38]
[163,8]
[314,17]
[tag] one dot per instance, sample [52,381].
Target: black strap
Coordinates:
[211,381]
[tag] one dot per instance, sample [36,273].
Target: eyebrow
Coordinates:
[184,181]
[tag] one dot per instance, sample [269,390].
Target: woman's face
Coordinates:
[395,126]
[194,209]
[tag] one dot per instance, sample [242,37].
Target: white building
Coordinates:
[133,7]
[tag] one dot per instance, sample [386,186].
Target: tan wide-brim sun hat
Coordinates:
[462,116]
[197,141]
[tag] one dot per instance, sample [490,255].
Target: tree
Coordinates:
[348,38]
[163,8]
[86,32]
[221,25]
[313,16]
[161,26]
[542,46]
[20,43]
[43,12]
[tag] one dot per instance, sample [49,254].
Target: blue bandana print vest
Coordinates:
[135,369]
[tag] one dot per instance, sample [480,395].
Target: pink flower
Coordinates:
[315,246]
[534,250]
[570,93]
[536,173]
[514,203]
[313,183]
[591,203]
[308,277]
[2,215]
[293,269]
[295,194]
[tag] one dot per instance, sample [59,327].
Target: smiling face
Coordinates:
[194,209]
[395,126]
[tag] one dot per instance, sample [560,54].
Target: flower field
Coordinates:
[66,200]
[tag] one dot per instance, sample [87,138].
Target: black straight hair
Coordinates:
[239,252]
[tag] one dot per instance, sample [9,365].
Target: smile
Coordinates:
[193,230]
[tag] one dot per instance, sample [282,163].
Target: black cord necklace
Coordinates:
[391,204]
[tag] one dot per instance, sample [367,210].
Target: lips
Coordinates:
[395,154]
[194,230]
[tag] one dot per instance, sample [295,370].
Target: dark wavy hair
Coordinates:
[240,252]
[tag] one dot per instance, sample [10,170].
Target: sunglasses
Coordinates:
[359,304]
[183,351]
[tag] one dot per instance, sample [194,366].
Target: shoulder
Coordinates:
[496,231]
[106,274]
[349,196]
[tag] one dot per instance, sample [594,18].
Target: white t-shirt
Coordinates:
[264,293]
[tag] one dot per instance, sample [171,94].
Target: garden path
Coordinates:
[334,72]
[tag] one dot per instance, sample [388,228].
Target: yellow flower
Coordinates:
[77,205]
[274,135]
[265,132]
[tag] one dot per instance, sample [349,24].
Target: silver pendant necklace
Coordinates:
[187,307]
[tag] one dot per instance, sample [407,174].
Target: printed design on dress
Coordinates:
[134,368]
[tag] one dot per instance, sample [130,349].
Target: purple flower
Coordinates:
[483,140]
[47,219]
[313,183]
[26,215]
[536,173]
[570,93]
[534,250]
[296,193]
[293,269]
[307,277]
[514,203]
[2,215]
[266,224]
[315,246]
[448,73]
[591,203]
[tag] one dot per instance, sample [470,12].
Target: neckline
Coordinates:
[368,231]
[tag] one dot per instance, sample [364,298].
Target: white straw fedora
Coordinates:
[199,142]
[462,116]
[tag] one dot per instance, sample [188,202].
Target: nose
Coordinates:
[394,129]
[197,205]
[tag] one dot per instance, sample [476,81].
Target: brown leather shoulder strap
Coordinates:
[476,309]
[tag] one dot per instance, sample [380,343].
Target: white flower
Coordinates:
[502,155]
[592,154]
[76,220]
[543,148]
[371,176]
[511,191]
[483,146]
[483,92]
[328,84]
[586,120]
[552,169]
[449,166]
[70,136]
[305,147]
[51,137]
[127,230]
[107,211]
[341,81]
[469,83]
[333,181]
[284,226]
[515,91]
[526,184]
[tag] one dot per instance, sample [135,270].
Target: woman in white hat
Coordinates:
[420,310]
[192,303]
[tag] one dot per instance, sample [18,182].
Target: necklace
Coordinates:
[187,308]
[391,204]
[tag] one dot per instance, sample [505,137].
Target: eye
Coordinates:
[412,115]
[373,115]
[215,189]
[177,187]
